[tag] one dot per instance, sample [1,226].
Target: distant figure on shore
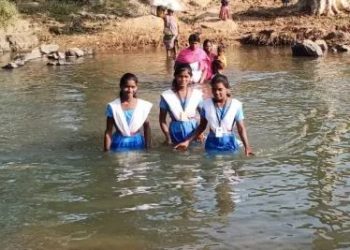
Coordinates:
[171,33]
[127,115]
[195,57]
[224,10]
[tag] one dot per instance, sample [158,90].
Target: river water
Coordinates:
[58,190]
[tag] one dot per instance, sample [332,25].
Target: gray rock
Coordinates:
[53,56]
[52,63]
[34,54]
[342,48]
[61,55]
[74,52]
[334,50]
[307,48]
[322,44]
[101,17]
[19,62]
[11,65]
[49,48]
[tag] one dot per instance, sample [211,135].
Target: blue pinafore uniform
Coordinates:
[180,130]
[227,142]
[125,143]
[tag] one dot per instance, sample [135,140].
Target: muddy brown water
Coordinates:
[58,190]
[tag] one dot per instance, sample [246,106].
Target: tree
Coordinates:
[325,7]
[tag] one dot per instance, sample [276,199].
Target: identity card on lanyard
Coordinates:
[183,115]
[219,131]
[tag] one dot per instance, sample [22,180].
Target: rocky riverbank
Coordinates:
[263,23]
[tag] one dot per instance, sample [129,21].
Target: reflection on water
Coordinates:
[59,190]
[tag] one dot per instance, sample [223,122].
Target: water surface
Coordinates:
[58,190]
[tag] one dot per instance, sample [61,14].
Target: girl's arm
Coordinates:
[108,134]
[147,134]
[199,130]
[204,75]
[243,135]
[164,126]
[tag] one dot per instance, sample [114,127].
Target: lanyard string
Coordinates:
[183,102]
[222,112]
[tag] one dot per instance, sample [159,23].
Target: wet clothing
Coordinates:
[182,113]
[221,122]
[128,124]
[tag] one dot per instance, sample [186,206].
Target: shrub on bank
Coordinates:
[8,12]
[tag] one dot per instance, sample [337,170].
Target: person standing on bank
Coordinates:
[224,10]
[221,113]
[127,115]
[171,33]
[181,102]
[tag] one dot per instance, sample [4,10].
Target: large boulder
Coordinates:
[74,52]
[34,54]
[323,45]
[49,48]
[307,48]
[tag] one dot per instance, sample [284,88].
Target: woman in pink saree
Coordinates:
[195,57]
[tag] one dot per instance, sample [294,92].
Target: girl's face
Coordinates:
[129,89]
[208,48]
[183,79]
[194,45]
[219,91]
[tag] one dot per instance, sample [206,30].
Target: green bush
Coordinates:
[8,12]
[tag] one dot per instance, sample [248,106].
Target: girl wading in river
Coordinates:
[127,114]
[181,102]
[221,113]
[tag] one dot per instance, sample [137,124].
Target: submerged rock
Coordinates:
[11,65]
[307,48]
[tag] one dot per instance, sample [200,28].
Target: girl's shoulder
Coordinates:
[114,102]
[143,102]
[236,102]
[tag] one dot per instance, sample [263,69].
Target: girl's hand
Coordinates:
[248,151]
[201,138]
[182,146]
[167,142]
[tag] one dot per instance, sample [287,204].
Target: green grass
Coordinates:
[61,9]
[8,12]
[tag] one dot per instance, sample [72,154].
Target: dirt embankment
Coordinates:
[263,22]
